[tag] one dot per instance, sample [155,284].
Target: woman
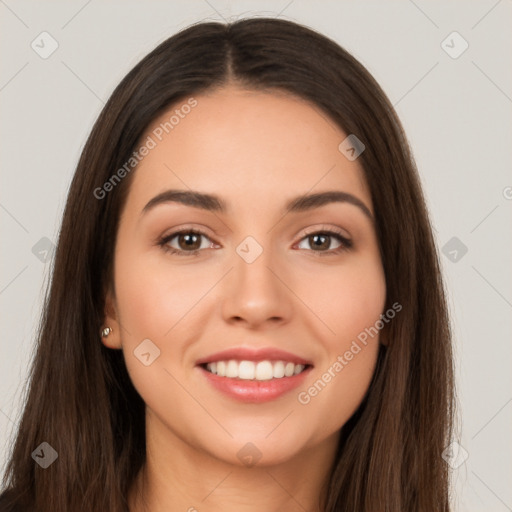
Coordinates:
[246,302]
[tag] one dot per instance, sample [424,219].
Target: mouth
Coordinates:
[253,376]
[254,370]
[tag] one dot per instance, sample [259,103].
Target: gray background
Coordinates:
[456,113]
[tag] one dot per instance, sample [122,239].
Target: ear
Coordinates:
[113,340]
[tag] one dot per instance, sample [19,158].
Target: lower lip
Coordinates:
[255,391]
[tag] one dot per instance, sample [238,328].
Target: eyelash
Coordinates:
[346,244]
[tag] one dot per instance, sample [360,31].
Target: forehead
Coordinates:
[252,147]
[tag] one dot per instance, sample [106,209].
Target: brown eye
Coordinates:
[186,242]
[189,241]
[320,243]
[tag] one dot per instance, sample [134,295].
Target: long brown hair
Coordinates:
[80,399]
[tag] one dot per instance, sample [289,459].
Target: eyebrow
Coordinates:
[213,203]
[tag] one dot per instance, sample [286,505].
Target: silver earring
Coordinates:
[105,332]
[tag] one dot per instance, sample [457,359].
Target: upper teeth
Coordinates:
[249,370]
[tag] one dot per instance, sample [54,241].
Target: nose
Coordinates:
[256,292]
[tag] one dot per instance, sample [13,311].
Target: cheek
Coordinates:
[334,395]
[353,306]
[152,298]
[352,300]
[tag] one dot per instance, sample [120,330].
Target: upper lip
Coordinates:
[253,354]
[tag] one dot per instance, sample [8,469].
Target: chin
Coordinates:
[258,450]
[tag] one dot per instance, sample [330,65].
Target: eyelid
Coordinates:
[307,231]
[196,228]
[324,228]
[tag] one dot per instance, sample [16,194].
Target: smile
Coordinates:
[251,370]
[253,375]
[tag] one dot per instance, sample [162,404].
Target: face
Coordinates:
[239,316]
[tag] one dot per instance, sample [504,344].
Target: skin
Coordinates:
[255,150]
